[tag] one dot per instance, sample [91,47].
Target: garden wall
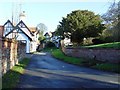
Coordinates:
[0,61]
[11,51]
[107,55]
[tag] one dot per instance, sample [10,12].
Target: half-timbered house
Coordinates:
[22,33]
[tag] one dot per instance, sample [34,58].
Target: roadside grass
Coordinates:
[49,49]
[108,67]
[11,78]
[115,45]
[57,53]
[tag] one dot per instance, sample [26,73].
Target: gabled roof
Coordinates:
[29,33]
[23,28]
[18,32]
[8,21]
[48,34]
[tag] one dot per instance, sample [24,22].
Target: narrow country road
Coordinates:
[44,71]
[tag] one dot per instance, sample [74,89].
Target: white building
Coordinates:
[50,36]
[21,32]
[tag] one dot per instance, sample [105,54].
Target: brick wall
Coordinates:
[21,50]
[109,55]
[0,59]
[1,31]
[11,52]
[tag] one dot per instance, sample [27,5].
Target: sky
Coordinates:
[49,12]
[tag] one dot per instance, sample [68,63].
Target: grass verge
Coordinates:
[49,49]
[115,45]
[11,78]
[87,63]
[57,53]
[108,67]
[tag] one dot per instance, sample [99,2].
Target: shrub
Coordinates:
[97,41]
[50,44]
[87,41]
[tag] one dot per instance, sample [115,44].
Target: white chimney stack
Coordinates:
[22,16]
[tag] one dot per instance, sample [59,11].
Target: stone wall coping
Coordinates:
[9,40]
[92,48]
[102,54]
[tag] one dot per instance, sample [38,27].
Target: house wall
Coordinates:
[28,46]
[21,50]
[33,46]
[22,37]
[25,38]
[34,42]
[11,53]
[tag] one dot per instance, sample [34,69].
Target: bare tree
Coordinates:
[41,28]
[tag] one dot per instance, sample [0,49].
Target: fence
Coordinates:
[11,52]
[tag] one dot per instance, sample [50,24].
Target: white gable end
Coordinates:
[20,36]
[24,28]
[8,27]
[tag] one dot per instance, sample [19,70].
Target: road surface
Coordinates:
[44,71]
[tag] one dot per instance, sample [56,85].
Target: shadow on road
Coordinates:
[45,71]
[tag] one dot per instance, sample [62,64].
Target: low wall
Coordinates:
[0,61]
[107,55]
[11,52]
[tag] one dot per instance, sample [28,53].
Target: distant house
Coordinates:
[50,36]
[21,32]
[35,40]
[67,42]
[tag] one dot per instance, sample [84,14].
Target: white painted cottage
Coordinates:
[21,32]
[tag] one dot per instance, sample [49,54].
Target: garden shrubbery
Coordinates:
[49,44]
[97,41]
